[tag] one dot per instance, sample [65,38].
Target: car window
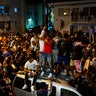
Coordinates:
[19,83]
[65,92]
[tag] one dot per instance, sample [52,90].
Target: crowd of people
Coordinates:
[39,52]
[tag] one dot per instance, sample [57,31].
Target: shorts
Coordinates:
[78,66]
[63,58]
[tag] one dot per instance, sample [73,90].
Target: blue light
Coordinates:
[29,23]
[15,10]
[1,9]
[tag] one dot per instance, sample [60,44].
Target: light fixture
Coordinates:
[65,13]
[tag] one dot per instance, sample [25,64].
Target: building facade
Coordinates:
[12,15]
[33,16]
[75,15]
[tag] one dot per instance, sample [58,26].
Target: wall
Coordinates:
[36,15]
[59,9]
[16,18]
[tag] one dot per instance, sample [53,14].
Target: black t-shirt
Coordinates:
[1,58]
[64,47]
[77,52]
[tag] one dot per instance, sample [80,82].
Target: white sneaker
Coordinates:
[32,88]
[50,75]
[42,73]
[24,87]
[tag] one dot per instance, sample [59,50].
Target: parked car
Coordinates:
[59,87]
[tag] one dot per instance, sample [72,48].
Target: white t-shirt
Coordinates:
[32,39]
[41,44]
[34,47]
[31,66]
[42,33]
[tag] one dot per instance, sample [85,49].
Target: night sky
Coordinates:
[47,1]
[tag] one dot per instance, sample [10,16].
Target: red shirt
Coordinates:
[48,46]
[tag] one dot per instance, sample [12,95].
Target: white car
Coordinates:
[59,87]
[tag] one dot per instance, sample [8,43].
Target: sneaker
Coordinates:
[32,88]
[42,73]
[50,75]
[24,87]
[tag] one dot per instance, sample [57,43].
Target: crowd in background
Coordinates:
[74,55]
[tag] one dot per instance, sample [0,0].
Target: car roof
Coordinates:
[58,83]
[55,81]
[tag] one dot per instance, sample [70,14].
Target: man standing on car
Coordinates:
[47,53]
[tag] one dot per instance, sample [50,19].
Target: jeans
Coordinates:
[26,81]
[47,58]
[41,59]
[54,55]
